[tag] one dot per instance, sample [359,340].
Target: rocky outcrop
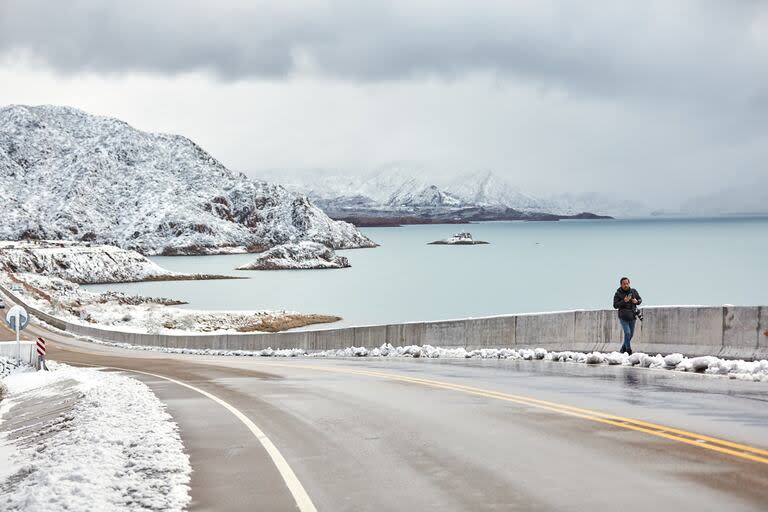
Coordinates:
[68,175]
[79,263]
[300,256]
[84,263]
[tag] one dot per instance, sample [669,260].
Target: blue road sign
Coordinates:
[17,314]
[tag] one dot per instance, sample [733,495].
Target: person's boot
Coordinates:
[629,351]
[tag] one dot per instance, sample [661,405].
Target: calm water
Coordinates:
[528,267]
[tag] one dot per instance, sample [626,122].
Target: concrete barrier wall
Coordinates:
[727,331]
[26,350]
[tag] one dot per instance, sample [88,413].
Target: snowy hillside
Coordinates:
[74,176]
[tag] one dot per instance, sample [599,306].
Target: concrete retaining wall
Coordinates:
[727,331]
[25,349]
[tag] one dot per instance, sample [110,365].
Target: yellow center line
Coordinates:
[701,441]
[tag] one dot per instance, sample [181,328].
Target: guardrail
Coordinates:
[725,331]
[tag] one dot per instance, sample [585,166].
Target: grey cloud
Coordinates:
[674,47]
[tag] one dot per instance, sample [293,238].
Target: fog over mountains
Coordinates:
[70,175]
[400,188]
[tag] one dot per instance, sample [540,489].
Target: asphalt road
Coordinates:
[377,434]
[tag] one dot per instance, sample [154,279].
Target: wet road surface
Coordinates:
[376,434]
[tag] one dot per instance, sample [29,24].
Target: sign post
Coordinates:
[17,319]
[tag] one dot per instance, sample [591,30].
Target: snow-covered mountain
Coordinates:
[70,175]
[398,189]
[388,188]
[487,189]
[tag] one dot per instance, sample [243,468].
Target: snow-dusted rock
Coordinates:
[303,255]
[80,263]
[73,176]
[673,360]
[700,364]
[595,358]
[459,239]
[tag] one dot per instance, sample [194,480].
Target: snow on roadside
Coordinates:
[6,367]
[116,449]
[756,371]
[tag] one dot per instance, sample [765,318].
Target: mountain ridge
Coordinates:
[397,197]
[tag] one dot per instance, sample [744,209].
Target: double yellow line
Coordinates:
[698,440]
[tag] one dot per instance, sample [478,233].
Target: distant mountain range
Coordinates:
[69,175]
[395,196]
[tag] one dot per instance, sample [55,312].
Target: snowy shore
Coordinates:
[110,310]
[85,263]
[101,441]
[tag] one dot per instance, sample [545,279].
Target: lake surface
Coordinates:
[528,267]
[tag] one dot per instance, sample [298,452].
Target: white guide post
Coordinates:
[18,344]
[17,319]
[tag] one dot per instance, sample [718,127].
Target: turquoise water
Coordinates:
[528,267]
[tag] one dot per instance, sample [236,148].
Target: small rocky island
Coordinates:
[463,238]
[297,256]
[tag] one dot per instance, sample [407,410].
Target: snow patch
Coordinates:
[115,449]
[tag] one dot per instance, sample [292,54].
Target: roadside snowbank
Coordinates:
[6,367]
[115,449]
[732,368]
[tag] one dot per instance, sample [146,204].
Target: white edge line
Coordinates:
[300,495]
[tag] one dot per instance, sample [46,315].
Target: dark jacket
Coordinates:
[626,309]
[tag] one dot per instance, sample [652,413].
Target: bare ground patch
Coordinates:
[285,322]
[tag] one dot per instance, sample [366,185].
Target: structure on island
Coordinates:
[462,238]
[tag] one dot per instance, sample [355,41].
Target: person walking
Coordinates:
[626,299]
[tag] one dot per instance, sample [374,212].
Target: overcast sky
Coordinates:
[653,100]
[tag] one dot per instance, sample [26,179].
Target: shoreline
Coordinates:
[68,303]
